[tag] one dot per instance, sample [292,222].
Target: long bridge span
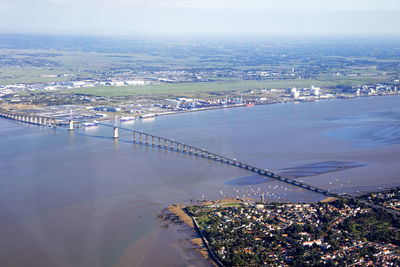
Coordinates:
[144,138]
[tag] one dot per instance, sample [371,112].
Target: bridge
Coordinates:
[144,138]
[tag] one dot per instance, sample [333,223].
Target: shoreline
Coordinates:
[178,210]
[264,104]
[137,117]
[204,249]
[271,103]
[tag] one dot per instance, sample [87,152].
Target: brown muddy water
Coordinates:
[83,200]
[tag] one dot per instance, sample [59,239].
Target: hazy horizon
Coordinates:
[205,18]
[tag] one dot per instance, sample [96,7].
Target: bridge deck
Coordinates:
[188,149]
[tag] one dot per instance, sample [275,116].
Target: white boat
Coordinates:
[147,116]
[90,124]
[122,119]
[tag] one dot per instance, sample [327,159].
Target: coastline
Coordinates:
[269,103]
[202,243]
[178,210]
[12,109]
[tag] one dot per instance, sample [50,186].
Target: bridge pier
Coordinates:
[115,134]
[52,122]
[71,127]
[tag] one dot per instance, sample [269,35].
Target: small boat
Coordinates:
[147,116]
[90,124]
[123,119]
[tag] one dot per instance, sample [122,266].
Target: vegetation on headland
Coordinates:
[337,232]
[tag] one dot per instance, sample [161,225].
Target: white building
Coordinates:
[294,93]
[315,90]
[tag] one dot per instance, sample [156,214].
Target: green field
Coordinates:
[198,88]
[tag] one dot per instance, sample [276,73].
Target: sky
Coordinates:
[201,17]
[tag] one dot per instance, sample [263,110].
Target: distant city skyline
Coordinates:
[165,17]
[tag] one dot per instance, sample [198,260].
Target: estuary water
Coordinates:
[82,199]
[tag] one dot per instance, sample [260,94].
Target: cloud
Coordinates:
[267,5]
[201,16]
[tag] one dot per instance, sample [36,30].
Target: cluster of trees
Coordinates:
[373,226]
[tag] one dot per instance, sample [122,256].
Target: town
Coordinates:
[336,232]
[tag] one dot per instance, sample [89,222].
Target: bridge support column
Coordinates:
[115,135]
[153,140]
[172,145]
[159,142]
[40,121]
[35,120]
[140,138]
[165,143]
[203,153]
[31,119]
[54,124]
[147,139]
[134,137]
[184,148]
[197,152]
[178,147]
[190,150]
[71,126]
